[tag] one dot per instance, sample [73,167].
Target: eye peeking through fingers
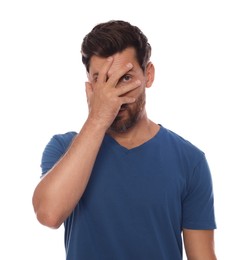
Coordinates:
[125,78]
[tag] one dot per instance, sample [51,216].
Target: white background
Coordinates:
[198,55]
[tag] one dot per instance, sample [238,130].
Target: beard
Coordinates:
[130,116]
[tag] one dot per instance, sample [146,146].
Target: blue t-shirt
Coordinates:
[137,200]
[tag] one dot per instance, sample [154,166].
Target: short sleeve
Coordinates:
[198,204]
[55,149]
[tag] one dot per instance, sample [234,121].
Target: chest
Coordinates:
[144,180]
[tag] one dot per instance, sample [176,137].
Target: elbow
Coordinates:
[48,219]
[47,216]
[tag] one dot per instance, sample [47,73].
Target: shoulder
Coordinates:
[177,139]
[63,140]
[55,148]
[181,146]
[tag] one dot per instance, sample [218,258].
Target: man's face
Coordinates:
[129,114]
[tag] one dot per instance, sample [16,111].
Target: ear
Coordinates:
[149,73]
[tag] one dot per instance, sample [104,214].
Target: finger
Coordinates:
[127,88]
[103,73]
[117,74]
[127,100]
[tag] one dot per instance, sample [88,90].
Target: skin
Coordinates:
[116,99]
[199,244]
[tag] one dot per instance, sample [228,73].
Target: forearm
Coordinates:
[60,190]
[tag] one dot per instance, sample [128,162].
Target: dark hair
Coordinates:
[106,39]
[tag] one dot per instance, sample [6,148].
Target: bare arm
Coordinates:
[199,244]
[59,191]
[62,187]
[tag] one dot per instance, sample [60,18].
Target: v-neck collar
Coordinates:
[136,148]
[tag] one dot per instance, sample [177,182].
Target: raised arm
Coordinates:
[61,188]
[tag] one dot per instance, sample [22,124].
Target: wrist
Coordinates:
[97,125]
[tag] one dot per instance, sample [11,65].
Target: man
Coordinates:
[125,187]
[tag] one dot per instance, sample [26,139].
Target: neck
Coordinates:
[141,132]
